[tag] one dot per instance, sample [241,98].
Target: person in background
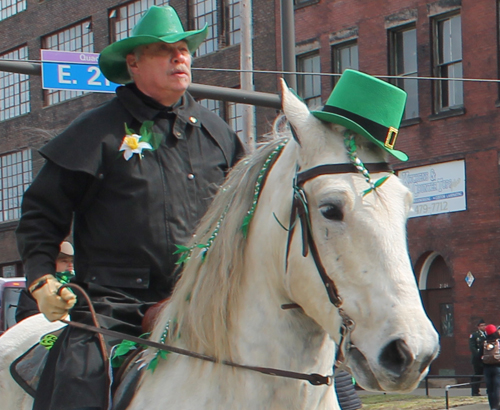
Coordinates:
[346,392]
[492,371]
[27,306]
[476,340]
[134,176]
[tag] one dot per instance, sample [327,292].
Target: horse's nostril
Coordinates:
[426,362]
[396,356]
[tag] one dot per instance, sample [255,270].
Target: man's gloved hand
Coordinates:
[53,306]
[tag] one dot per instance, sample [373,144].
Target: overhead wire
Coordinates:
[276,72]
[485,80]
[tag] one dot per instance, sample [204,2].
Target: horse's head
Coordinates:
[360,237]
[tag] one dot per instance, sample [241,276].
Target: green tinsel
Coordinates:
[258,185]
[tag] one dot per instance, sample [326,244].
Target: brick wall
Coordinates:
[467,240]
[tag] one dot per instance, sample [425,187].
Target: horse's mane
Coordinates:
[201,305]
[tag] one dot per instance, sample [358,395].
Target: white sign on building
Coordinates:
[437,188]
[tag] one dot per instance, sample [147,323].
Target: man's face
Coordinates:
[64,263]
[162,71]
[482,326]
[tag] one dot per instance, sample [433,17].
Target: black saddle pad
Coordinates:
[27,368]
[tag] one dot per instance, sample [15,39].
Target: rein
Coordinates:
[313,378]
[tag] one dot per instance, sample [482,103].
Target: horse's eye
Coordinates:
[332,212]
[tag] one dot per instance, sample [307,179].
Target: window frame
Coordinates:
[16,84]
[130,20]
[395,49]
[235,117]
[69,43]
[336,50]
[441,87]
[314,100]
[221,33]
[12,181]
[16,6]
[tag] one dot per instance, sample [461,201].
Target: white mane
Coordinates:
[199,308]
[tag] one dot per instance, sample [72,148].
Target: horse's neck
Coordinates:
[266,335]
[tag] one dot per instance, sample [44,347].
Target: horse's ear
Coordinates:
[295,110]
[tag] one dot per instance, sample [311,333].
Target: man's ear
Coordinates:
[131,60]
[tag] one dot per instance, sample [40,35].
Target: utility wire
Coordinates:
[484,80]
[233,70]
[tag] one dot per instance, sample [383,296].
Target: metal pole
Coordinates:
[197,90]
[246,76]
[231,94]
[21,67]
[288,42]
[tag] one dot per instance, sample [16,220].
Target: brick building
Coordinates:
[450,132]
[30,115]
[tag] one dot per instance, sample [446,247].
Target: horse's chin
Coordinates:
[377,379]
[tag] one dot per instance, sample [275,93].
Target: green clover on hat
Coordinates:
[369,107]
[157,24]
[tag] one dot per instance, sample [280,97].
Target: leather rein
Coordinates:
[300,211]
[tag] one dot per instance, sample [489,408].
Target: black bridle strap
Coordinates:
[329,169]
[299,209]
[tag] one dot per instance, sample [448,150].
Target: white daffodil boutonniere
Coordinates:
[131,145]
[134,144]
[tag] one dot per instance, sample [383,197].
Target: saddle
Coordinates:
[27,369]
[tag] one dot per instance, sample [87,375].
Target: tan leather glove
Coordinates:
[53,306]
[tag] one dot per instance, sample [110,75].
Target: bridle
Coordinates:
[299,210]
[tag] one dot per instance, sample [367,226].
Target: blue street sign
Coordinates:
[67,70]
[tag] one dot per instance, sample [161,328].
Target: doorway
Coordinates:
[436,288]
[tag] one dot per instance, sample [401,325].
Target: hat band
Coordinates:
[386,135]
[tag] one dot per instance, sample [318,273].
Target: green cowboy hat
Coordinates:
[157,24]
[369,107]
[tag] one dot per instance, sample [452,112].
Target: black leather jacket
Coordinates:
[128,215]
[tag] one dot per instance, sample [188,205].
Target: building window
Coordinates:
[75,38]
[9,271]
[234,22]
[212,105]
[309,86]
[14,88]
[10,7]
[15,177]
[223,20]
[448,62]
[123,19]
[235,117]
[345,56]
[300,3]
[205,12]
[403,44]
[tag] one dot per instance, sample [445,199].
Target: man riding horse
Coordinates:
[135,175]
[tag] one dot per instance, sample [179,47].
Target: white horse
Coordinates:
[354,290]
